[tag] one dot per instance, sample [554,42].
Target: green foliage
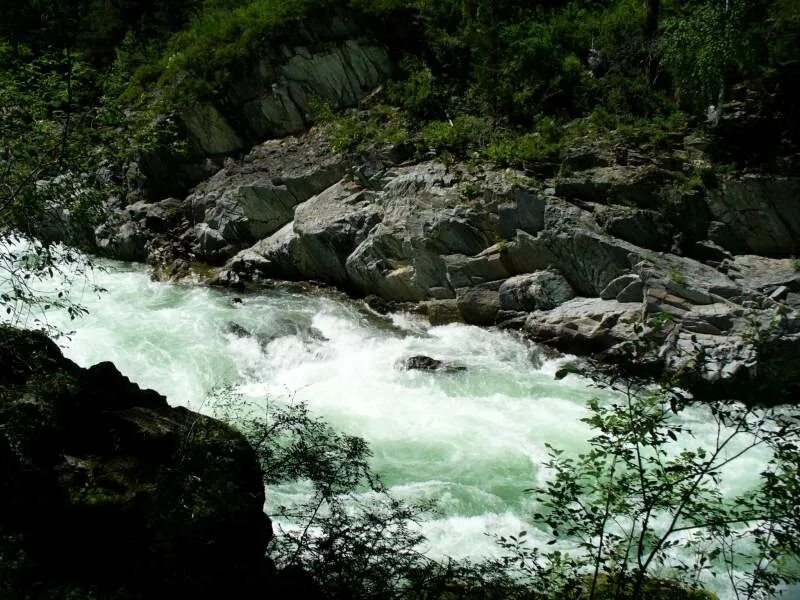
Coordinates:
[351,536]
[677,275]
[459,135]
[414,92]
[354,131]
[218,40]
[543,144]
[51,182]
[643,499]
[702,48]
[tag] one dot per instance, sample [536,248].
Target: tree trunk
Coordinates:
[652,12]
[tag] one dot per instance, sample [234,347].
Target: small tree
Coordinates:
[702,47]
[350,535]
[644,503]
[51,182]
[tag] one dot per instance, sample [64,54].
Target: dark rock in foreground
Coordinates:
[107,492]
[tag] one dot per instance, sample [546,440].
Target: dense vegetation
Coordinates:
[504,77]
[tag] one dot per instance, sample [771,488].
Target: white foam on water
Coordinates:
[473,440]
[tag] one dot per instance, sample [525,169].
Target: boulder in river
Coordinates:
[421,362]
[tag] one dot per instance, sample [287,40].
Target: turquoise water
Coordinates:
[471,441]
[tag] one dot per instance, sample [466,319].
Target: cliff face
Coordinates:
[107,492]
[277,94]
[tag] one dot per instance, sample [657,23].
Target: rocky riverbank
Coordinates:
[621,245]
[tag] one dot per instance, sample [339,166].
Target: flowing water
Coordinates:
[472,441]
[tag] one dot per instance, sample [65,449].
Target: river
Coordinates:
[470,441]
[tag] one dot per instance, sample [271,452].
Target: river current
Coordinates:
[471,441]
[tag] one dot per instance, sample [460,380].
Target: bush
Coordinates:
[544,144]
[356,131]
[457,136]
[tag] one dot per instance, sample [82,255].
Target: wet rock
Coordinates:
[479,305]
[238,330]
[426,363]
[441,312]
[122,239]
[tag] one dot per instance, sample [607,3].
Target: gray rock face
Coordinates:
[588,260]
[762,214]
[211,130]
[619,285]
[250,200]
[122,239]
[520,209]
[479,305]
[620,184]
[487,248]
[276,98]
[763,274]
[466,271]
[441,312]
[585,325]
[542,290]
[328,227]
[644,228]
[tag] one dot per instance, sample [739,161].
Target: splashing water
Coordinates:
[471,441]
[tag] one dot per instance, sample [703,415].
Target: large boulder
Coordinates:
[479,305]
[424,218]
[588,260]
[542,290]
[107,492]
[630,185]
[317,243]
[585,325]
[121,238]
[762,214]
[253,198]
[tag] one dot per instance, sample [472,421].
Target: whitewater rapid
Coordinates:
[471,442]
